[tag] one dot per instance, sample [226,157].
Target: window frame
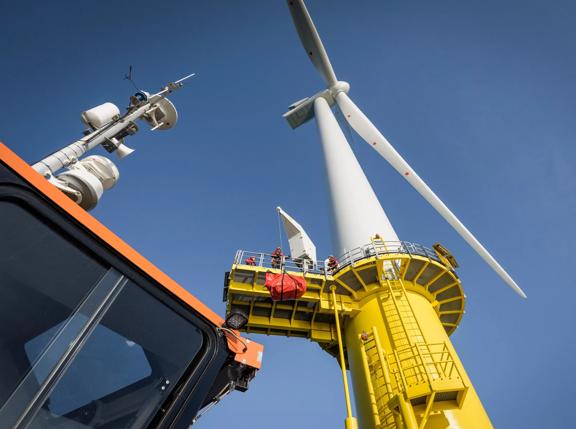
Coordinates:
[190,392]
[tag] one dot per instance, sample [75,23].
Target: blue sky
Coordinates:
[478,96]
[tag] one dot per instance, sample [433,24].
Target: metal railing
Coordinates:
[423,363]
[266,260]
[376,248]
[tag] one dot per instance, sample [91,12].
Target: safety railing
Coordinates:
[259,259]
[422,363]
[376,248]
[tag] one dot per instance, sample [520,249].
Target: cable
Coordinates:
[225,391]
[130,78]
[231,332]
[280,236]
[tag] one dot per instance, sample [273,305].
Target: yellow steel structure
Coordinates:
[396,304]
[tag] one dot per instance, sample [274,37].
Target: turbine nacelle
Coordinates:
[302,111]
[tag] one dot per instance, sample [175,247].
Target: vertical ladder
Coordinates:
[413,353]
[377,373]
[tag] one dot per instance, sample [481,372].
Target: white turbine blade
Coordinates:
[311,41]
[362,125]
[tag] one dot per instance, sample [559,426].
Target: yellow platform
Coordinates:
[356,278]
[397,303]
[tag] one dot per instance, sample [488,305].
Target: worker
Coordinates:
[251,260]
[277,256]
[331,264]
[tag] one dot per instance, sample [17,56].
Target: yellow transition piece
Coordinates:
[396,304]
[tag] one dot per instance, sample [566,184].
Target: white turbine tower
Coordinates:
[357,213]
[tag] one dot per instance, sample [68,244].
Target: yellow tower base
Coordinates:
[396,303]
[410,372]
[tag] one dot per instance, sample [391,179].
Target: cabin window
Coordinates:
[81,345]
[127,368]
[43,279]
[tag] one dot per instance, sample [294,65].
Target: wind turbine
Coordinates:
[337,93]
[407,348]
[385,307]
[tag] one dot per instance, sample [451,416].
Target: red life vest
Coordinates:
[284,287]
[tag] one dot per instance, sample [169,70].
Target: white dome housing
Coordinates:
[100,115]
[89,178]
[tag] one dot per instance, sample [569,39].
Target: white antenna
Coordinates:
[107,128]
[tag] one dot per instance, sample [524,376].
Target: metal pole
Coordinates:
[71,153]
[350,422]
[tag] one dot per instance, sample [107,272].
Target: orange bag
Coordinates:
[284,287]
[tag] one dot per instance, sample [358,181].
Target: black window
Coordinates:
[43,279]
[86,339]
[127,367]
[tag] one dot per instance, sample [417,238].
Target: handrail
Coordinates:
[411,368]
[375,248]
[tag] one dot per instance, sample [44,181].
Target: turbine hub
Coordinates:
[339,86]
